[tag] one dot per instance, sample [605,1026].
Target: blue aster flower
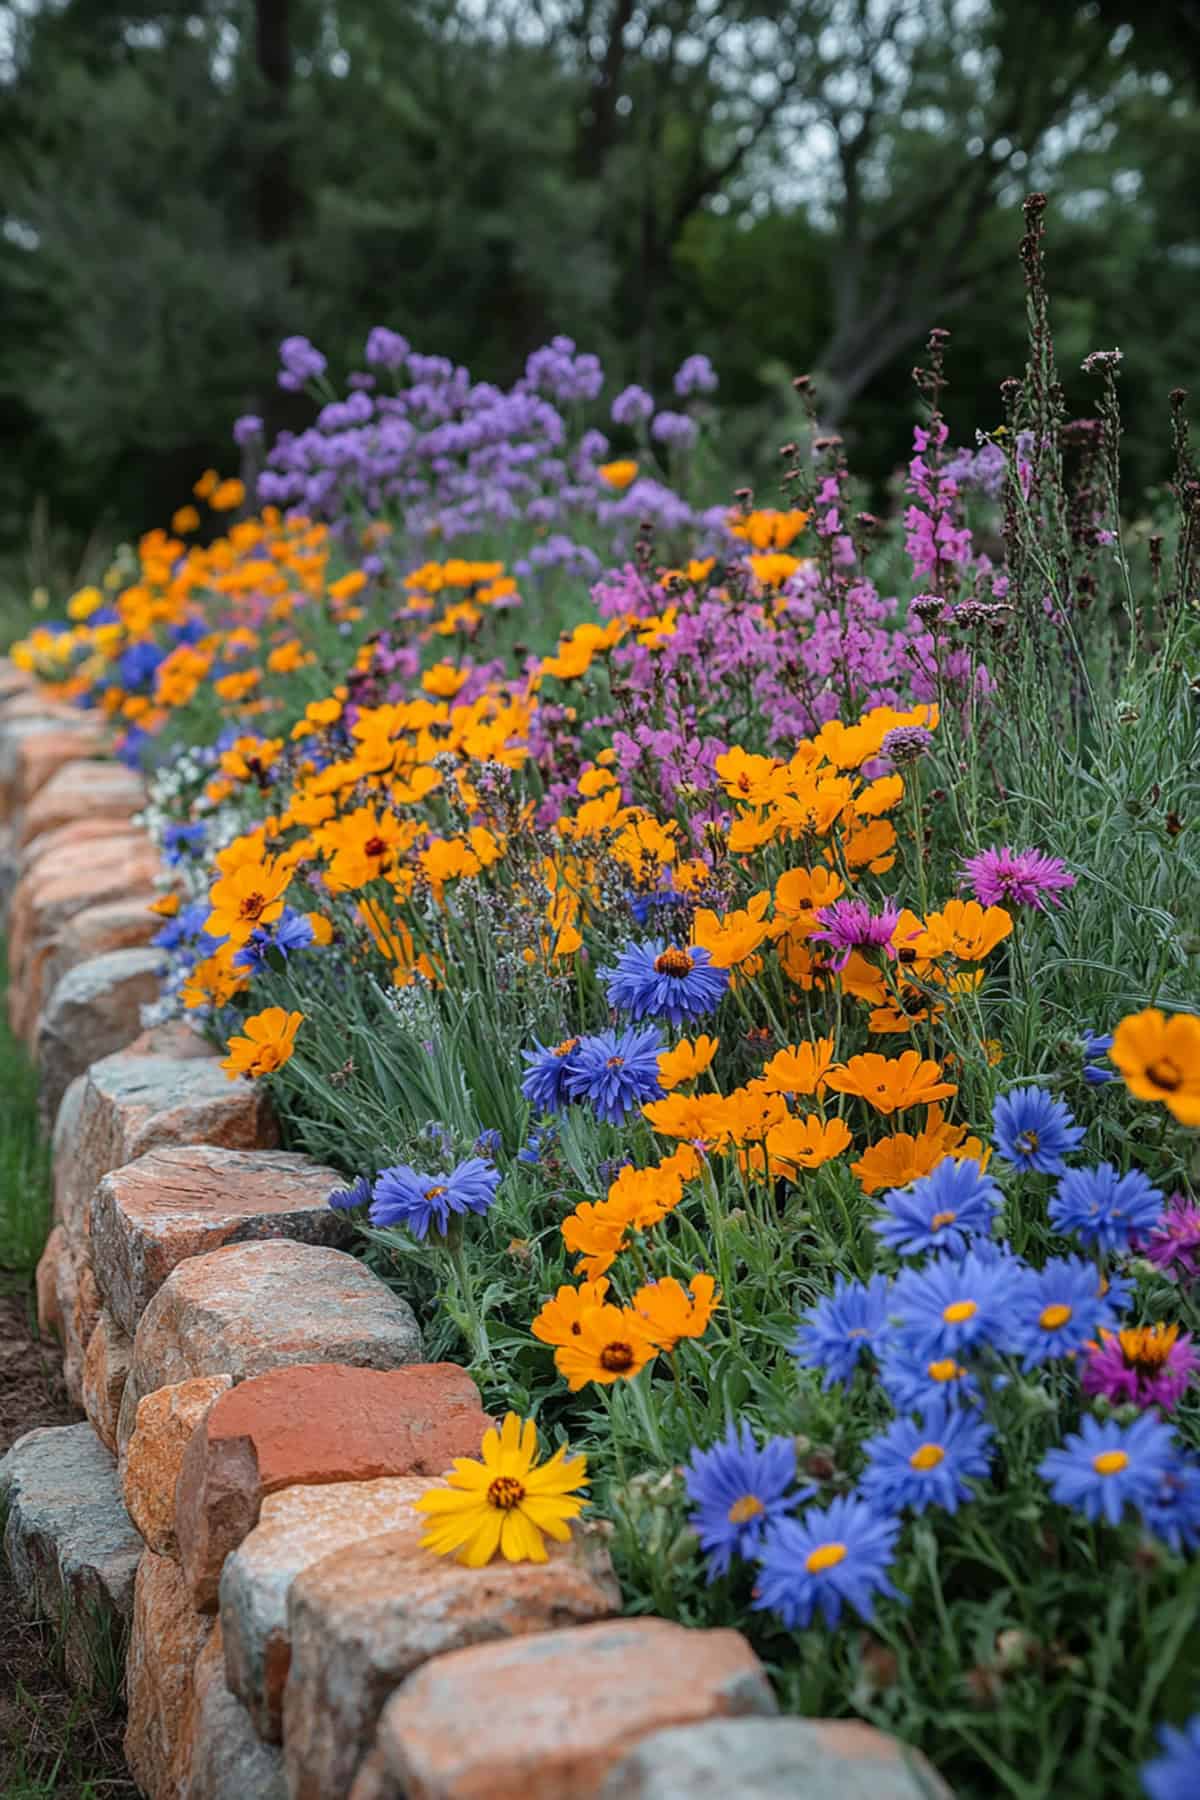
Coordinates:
[404,1196]
[927,1463]
[545,1080]
[841,1326]
[1105,1210]
[1033,1130]
[913,1383]
[357,1194]
[941,1210]
[953,1305]
[616,1074]
[1096,1045]
[488,1144]
[182,841]
[1105,1467]
[1175,1775]
[663,981]
[1057,1310]
[737,1489]
[1173,1515]
[291,931]
[831,1557]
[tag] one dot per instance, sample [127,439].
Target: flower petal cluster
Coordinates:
[1034,1131]
[1103,1209]
[941,1211]
[1105,1468]
[738,1488]
[405,1196]
[666,981]
[505,1502]
[927,1461]
[826,1560]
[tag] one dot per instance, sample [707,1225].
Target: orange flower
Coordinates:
[902,1158]
[618,474]
[686,1061]
[269,1042]
[1159,1056]
[732,939]
[889,1085]
[252,895]
[611,1345]
[799,896]
[800,1069]
[746,777]
[560,1319]
[166,906]
[805,1143]
[963,929]
[214,981]
[595,1233]
[669,1311]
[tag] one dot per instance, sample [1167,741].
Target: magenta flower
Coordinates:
[1174,1243]
[1146,1365]
[1009,877]
[851,925]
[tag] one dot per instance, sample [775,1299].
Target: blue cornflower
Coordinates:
[357,1194]
[663,981]
[1104,1466]
[953,1304]
[488,1144]
[1057,1310]
[1173,1515]
[1096,1045]
[616,1074]
[927,1463]
[1175,1775]
[180,841]
[737,1489]
[830,1557]
[834,1333]
[403,1196]
[545,1080]
[1105,1210]
[291,931]
[536,1145]
[912,1383]
[1034,1130]
[941,1210]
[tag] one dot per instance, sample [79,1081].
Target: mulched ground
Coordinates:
[51,1743]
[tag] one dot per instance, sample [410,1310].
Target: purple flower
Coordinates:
[829,1557]
[676,430]
[1175,1775]
[386,349]
[347,1198]
[695,375]
[1104,1467]
[1034,1130]
[615,1074]
[1174,1243]
[1008,877]
[850,925]
[247,428]
[1105,1210]
[665,981]
[907,743]
[927,1463]
[1144,1365]
[737,1489]
[545,1080]
[302,363]
[632,406]
[403,1196]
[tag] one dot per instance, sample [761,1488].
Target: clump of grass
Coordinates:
[24,1158]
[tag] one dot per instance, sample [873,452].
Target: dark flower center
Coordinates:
[616,1358]
[674,962]
[1027,1143]
[505,1493]
[1165,1074]
[374,846]
[252,906]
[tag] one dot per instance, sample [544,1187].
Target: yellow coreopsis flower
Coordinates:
[269,1042]
[504,1502]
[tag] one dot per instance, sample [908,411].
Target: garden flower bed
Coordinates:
[740,960]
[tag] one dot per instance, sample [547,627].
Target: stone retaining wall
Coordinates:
[235,1518]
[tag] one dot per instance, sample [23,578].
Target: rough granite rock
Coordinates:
[49,1282]
[83,790]
[561,1708]
[81,1315]
[94,1010]
[225,1758]
[307,1425]
[774,1759]
[125,924]
[106,1366]
[149,1467]
[298,1527]
[253,1307]
[37,755]
[69,1542]
[165,1645]
[363,1618]
[141,1100]
[59,887]
[171,1204]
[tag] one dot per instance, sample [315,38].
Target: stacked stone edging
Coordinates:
[239,1505]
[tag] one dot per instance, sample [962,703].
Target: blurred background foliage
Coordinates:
[789,185]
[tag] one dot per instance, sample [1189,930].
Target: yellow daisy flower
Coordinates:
[506,1502]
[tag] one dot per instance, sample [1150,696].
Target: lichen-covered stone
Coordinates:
[83,790]
[362,1619]
[151,1459]
[94,1010]
[71,1547]
[165,1645]
[774,1759]
[224,1758]
[309,1425]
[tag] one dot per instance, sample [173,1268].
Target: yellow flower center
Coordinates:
[1147,1348]
[1051,1318]
[1110,1462]
[927,1457]
[615,1062]
[1166,1073]
[616,1358]
[1027,1143]
[748,1507]
[825,1556]
[434,1193]
[959,1311]
[673,962]
[940,1219]
[505,1493]
[946,1369]
[566,1047]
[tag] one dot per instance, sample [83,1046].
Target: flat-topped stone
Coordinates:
[185,1200]
[362,1619]
[561,1708]
[94,1010]
[166,1421]
[75,878]
[136,1101]
[774,1759]
[310,1425]
[83,790]
[71,1547]
[297,1528]
[124,924]
[252,1307]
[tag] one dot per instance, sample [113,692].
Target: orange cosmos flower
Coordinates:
[963,929]
[252,895]
[611,1345]
[898,1160]
[560,1319]
[669,1311]
[269,1042]
[1159,1056]
[800,1069]
[686,1061]
[214,981]
[805,1143]
[595,1234]
[889,1085]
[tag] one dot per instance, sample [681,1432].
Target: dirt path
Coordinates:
[51,1743]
